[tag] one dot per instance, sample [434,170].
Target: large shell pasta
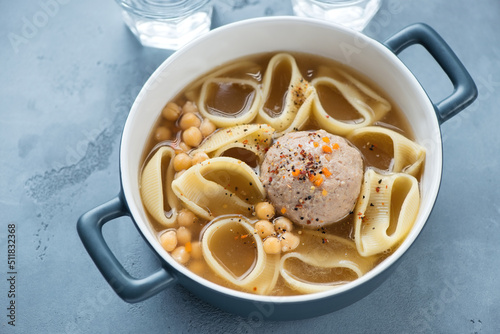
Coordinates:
[369,105]
[408,156]
[385,212]
[208,188]
[261,277]
[219,115]
[327,256]
[291,112]
[255,138]
[156,178]
[243,69]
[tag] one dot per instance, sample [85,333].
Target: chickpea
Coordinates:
[162,133]
[168,240]
[188,120]
[264,210]
[196,251]
[189,107]
[283,224]
[264,228]
[272,245]
[171,111]
[289,241]
[180,255]
[185,218]
[183,235]
[207,127]
[192,136]
[197,267]
[182,161]
[199,157]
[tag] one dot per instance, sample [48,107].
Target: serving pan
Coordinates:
[378,61]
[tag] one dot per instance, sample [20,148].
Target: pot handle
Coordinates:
[465,91]
[130,289]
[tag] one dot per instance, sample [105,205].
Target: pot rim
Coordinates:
[283,20]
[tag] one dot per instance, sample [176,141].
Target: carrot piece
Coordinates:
[188,247]
[327,149]
[335,146]
[326,140]
[326,172]
[318,181]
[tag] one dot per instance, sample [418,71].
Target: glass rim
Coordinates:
[162,10]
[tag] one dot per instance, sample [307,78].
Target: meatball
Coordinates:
[312,177]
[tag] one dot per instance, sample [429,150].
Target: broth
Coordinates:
[233,248]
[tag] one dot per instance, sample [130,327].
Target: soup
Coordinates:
[281,174]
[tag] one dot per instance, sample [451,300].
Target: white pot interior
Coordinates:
[281,34]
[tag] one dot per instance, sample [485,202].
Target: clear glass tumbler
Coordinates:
[167,24]
[354,14]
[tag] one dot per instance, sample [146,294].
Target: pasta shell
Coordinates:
[249,102]
[156,176]
[386,210]
[370,106]
[240,69]
[328,257]
[289,113]
[255,138]
[219,186]
[408,156]
[261,277]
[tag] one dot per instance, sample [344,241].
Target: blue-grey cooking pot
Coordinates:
[378,61]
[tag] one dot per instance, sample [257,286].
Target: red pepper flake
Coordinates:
[189,247]
[377,189]
[244,236]
[283,210]
[254,288]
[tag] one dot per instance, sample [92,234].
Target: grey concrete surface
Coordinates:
[65,91]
